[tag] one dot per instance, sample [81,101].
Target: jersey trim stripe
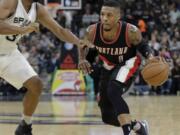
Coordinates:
[134,69]
[127,37]
[128,69]
[106,60]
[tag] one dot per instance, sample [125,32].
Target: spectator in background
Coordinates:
[165,38]
[174,13]
[154,44]
[166,87]
[140,86]
[142,26]
[61,18]
[175,89]
[174,44]
[86,18]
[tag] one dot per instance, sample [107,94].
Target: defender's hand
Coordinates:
[85,43]
[33,27]
[85,66]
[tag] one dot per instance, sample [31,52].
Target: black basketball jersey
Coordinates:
[117,51]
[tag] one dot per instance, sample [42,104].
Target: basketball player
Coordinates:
[17,18]
[117,43]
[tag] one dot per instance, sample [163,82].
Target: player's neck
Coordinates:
[113,30]
[27,4]
[111,34]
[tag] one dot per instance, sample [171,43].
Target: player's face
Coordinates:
[109,17]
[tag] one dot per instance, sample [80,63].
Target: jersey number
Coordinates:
[11,38]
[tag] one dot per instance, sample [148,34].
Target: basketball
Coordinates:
[155,73]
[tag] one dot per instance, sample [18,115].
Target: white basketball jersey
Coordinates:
[19,18]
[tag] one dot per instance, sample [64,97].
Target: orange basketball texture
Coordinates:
[155,73]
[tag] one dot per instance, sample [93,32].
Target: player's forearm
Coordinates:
[83,52]
[7,29]
[67,36]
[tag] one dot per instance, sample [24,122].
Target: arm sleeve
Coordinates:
[144,49]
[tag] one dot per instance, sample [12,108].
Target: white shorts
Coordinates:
[15,69]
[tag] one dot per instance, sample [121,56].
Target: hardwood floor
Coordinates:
[80,116]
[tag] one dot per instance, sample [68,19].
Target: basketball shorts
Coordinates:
[124,74]
[15,69]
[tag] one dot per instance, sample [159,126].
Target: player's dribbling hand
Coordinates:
[85,66]
[33,27]
[155,59]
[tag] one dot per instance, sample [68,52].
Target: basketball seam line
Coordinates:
[155,74]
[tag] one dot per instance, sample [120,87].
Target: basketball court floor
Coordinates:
[81,116]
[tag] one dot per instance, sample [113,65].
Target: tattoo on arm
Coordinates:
[134,35]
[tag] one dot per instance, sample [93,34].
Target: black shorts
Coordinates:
[125,75]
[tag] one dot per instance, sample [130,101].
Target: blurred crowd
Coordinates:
[158,20]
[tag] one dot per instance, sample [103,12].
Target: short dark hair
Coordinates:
[112,3]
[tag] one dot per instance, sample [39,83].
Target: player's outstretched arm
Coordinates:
[62,33]
[6,10]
